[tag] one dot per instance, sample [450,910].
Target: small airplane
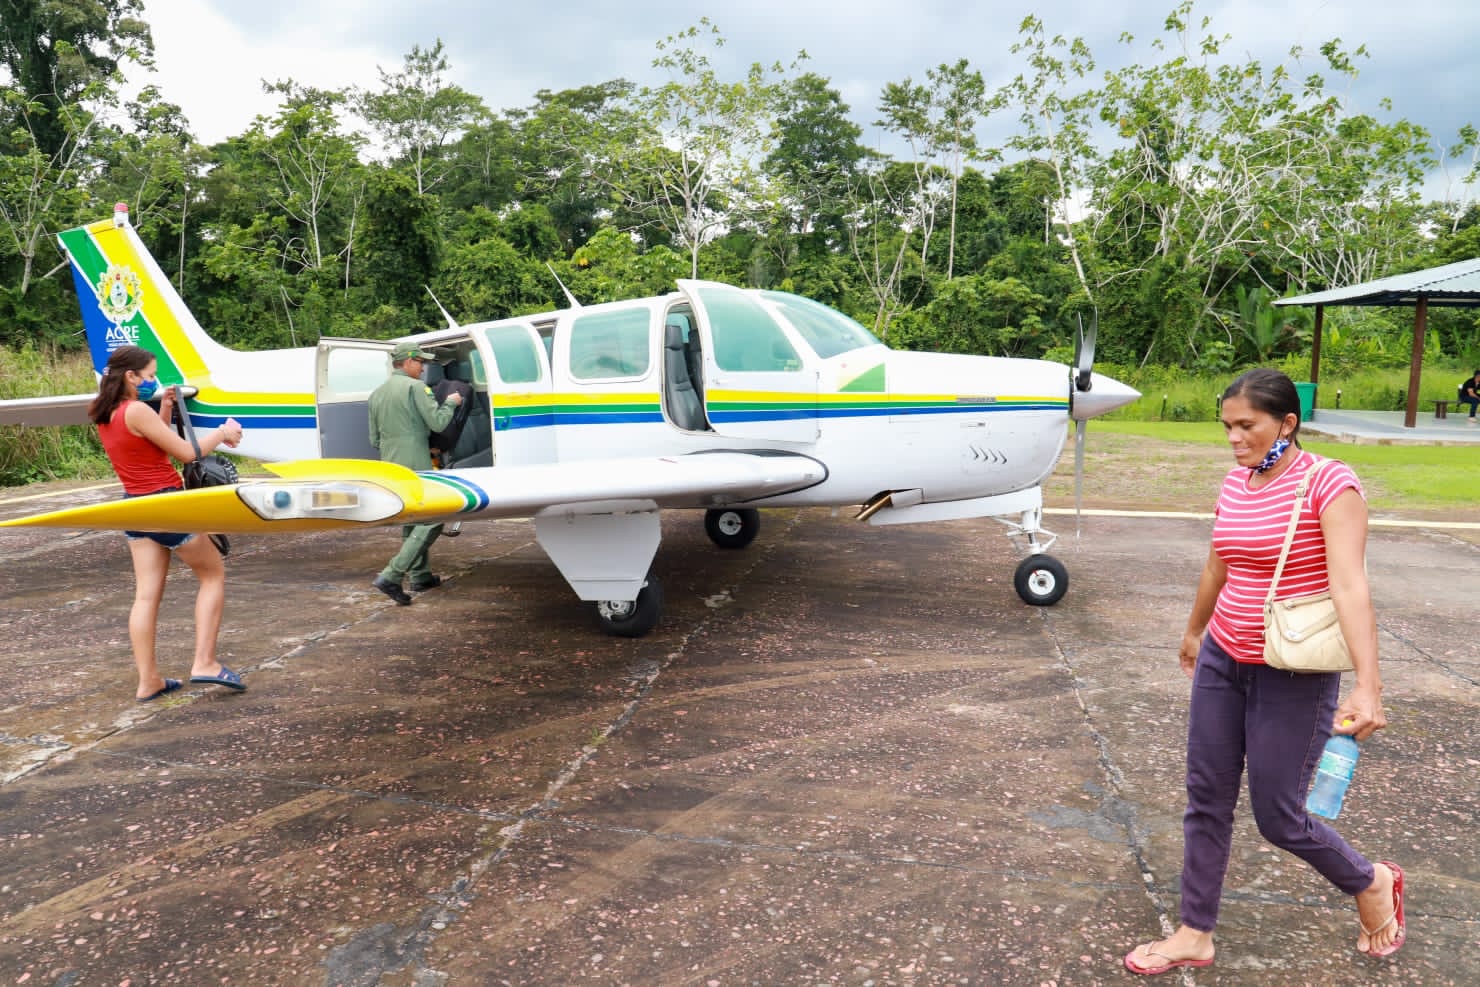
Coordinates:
[592,419]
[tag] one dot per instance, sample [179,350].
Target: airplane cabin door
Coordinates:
[519,387]
[756,383]
[345,372]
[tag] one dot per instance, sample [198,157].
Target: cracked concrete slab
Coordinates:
[847,755]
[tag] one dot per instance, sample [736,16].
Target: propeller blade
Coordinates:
[1084,359]
[1078,472]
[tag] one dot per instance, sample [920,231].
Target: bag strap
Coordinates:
[182,421]
[1279,567]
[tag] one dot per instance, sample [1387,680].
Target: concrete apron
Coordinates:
[846,755]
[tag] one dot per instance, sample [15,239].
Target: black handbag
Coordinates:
[205,471]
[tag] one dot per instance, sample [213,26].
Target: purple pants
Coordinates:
[1276,722]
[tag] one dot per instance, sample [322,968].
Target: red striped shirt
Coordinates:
[1248,531]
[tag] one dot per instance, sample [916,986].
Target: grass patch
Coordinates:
[1398,478]
[29,455]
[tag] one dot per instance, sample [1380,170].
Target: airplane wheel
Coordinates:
[1041,580]
[632,618]
[732,527]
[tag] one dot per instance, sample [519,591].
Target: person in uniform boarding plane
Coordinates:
[403,415]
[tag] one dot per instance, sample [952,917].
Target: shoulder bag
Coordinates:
[1302,634]
[205,471]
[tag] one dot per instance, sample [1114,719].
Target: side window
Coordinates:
[609,344]
[518,360]
[355,372]
[745,335]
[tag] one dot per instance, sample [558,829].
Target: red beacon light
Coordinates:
[120,215]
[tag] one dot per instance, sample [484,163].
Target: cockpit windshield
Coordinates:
[827,331]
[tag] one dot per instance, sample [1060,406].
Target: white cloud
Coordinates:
[212,54]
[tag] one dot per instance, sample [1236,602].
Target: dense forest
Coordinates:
[1171,200]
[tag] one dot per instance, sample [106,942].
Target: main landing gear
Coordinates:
[632,618]
[732,527]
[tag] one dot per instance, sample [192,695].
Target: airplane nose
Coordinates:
[1104,394]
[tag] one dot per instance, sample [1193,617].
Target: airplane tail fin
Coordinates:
[126,298]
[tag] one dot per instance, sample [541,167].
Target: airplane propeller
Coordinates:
[1083,380]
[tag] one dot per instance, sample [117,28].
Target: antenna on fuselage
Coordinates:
[451,322]
[568,296]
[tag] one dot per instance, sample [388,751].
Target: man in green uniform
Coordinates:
[403,414]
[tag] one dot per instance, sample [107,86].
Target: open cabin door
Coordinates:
[345,372]
[516,376]
[756,383]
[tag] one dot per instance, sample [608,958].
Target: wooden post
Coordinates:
[1315,354]
[1415,365]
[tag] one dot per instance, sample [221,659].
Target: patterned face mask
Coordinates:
[1273,456]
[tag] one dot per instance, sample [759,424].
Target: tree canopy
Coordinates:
[1174,198]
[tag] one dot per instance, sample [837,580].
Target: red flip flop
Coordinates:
[1133,966]
[1396,916]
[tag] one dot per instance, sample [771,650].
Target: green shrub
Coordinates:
[29,454]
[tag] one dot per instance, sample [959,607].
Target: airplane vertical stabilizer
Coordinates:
[125,298]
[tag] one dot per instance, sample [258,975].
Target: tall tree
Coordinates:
[51,53]
[1054,107]
[686,154]
[961,96]
[417,114]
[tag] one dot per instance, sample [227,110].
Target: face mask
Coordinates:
[147,389]
[1273,456]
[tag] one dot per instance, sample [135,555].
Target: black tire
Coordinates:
[732,527]
[1041,580]
[633,618]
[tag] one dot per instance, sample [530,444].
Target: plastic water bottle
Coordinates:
[1333,775]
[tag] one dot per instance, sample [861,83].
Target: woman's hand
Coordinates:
[231,433]
[1191,645]
[1361,715]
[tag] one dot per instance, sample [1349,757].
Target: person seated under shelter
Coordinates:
[1469,393]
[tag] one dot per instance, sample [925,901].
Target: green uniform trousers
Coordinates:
[411,560]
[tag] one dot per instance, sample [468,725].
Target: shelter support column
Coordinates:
[1415,364]
[1315,351]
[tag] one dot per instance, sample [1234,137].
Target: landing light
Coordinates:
[341,501]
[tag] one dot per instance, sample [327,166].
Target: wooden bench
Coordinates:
[1441,407]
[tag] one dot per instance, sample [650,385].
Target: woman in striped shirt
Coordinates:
[1245,713]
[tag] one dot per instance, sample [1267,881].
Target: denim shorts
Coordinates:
[169,539]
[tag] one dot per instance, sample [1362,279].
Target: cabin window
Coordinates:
[746,337]
[516,354]
[828,331]
[609,344]
[352,372]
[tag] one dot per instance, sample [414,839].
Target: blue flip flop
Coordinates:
[170,685]
[227,678]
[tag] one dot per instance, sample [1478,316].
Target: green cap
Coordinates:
[409,351]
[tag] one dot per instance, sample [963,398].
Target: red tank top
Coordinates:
[143,466]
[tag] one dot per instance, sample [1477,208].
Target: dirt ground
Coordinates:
[846,755]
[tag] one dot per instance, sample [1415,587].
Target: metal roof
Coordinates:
[1452,285]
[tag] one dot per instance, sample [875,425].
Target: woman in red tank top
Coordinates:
[139,444]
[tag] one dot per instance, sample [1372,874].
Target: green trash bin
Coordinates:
[1307,394]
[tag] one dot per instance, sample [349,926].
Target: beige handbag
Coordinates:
[1302,634]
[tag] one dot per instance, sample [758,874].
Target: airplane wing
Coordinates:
[63,409]
[322,494]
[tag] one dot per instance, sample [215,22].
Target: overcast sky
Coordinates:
[213,54]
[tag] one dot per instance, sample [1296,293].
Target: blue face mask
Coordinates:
[147,389]
[1273,456]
